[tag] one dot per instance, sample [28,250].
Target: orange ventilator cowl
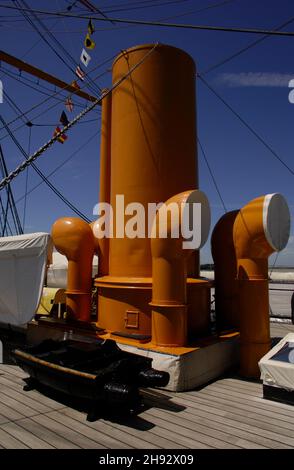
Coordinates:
[261,228]
[74,238]
[225,273]
[169,265]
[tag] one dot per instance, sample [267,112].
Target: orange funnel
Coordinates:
[153,157]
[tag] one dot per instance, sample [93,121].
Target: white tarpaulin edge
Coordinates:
[277,373]
[23,260]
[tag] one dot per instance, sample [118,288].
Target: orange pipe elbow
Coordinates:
[261,228]
[169,271]
[225,272]
[73,238]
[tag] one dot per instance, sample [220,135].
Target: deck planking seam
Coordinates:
[282,408]
[86,431]
[220,434]
[24,399]
[70,434]
[253,434]
[25,437]
[150,432]
[52,438]
[224,408]
[197,436]
[221,404]
[74,413]
[109,429]
[241,403]
[226,412]
[35,395]
[11,442]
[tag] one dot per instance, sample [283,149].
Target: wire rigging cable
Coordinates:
[55,94]
[246,48]
[42,25]
[212,175]
[41,150]
[16,109]
[10,197]
[159,23]
[39,172]
[27,180]
[245,123]
[170,17]
[22,79]
[82,147]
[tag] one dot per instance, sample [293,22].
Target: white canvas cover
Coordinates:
[195,368]
[275,372]
[23,260]
[57,272]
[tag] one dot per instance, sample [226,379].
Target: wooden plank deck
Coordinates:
[229,413]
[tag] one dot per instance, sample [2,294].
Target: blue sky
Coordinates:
[255,84]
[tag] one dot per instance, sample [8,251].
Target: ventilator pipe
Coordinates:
[169,264]
[261,228]
[225,273]
[73,238]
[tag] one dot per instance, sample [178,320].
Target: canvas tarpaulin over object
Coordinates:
[277,366]
[23,260]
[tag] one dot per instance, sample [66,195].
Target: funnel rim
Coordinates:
[150,46]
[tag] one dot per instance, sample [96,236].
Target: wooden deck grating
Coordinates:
[226,414]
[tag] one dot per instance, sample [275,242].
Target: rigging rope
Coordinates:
[212,176]
[246,48]
[245,123]
[27,179]
[41,150]
[39,172]
[10,197]
[53,95]
[82,147]
[92,85]
[157,23]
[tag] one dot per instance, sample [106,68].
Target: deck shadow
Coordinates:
[119,415]
[156,399]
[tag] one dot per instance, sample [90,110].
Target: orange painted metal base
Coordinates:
[177,351]
[124,308]
[56,329]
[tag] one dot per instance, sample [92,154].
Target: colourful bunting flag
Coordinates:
[69,104]
[91,29]
[62,138]
[89,43]
[85,58]
[80,73]
[63,119]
